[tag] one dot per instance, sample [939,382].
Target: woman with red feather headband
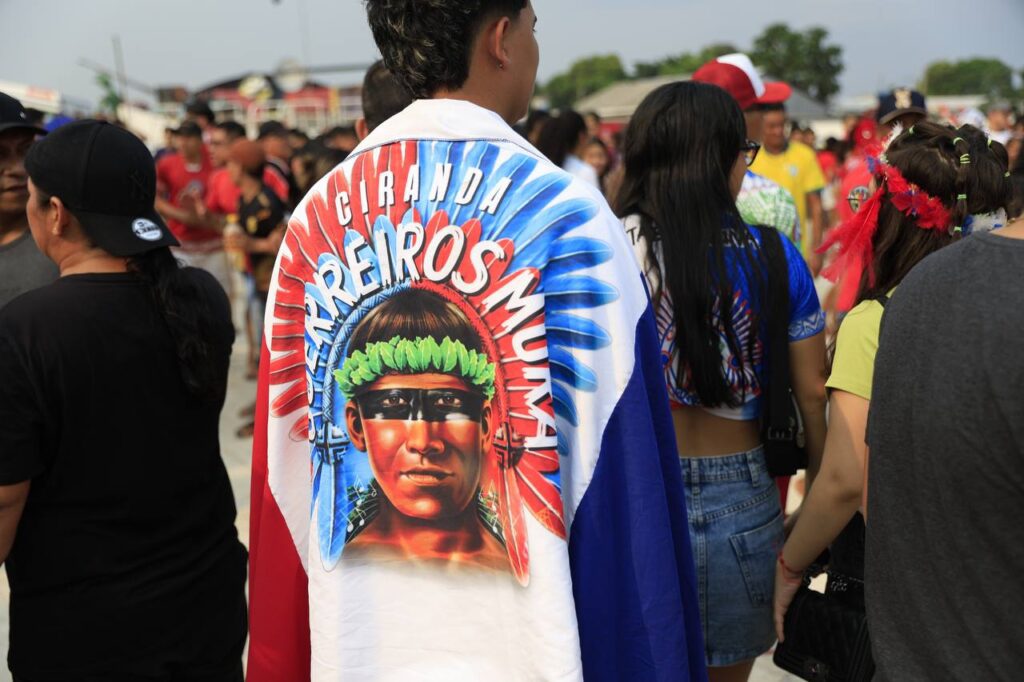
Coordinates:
[935,185]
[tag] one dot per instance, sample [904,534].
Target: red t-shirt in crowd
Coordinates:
[223,195]
[179,182]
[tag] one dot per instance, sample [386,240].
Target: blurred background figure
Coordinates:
[383,97]
[562,140]
[183,180]
[341,137]
[168,148]
[794,166]
[202,115]
[761,201]
[255,230]
[273,137]
[535,122]
[595,153]
[999,125]
[297,139]
[22,266]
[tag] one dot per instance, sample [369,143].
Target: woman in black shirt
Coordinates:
[116,512]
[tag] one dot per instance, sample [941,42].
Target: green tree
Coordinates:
[685,63]
[804,60]
[584,77]
[976,76]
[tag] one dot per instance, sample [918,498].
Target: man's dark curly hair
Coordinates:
[427,43]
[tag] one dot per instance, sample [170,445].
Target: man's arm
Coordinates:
[12,503]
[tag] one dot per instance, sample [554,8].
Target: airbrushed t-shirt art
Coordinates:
[453,337]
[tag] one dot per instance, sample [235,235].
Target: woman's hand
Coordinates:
[786,584]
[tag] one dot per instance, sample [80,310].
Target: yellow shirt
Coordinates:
[853,366]
[797,170]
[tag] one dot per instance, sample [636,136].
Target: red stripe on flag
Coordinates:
[279,649]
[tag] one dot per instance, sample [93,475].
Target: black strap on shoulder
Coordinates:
[776,398]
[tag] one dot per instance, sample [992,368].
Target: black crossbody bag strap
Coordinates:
[776,393]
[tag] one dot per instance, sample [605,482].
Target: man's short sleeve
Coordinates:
[856,346]
[806,318]
[811,178]
[21,437]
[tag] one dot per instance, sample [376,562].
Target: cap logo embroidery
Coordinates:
[146,229]
[903,100]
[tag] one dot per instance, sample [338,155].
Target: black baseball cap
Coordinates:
[272,129]
[13,115]
[892,105]
[106,178]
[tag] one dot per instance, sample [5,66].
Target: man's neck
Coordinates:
[777,150]
[12,227]
[482,97]
[193,159]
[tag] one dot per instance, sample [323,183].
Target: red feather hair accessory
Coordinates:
[856,236]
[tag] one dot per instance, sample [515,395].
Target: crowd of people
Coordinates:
[530,388]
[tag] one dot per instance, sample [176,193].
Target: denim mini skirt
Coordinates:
[736,532]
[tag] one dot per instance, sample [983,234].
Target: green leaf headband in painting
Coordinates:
[420,356]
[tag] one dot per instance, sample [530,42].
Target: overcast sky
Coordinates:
[196,42]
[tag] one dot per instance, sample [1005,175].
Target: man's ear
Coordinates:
[354,425]
[362,130]
[494,40]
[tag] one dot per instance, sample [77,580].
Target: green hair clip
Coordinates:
[958,139]
[961,197]
[420,356]
[965,159]
[958,230]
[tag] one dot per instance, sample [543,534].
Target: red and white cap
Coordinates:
[735,74]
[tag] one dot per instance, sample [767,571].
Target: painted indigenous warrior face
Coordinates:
[426,436]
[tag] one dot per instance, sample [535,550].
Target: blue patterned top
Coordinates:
[805,320]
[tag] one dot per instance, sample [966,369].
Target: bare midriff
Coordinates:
[702,434]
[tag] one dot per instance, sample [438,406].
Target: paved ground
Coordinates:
[237,453]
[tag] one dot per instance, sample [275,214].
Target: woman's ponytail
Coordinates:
[185,309]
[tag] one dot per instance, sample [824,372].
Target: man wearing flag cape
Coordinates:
[464,465]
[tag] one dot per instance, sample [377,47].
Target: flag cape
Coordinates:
[464,466]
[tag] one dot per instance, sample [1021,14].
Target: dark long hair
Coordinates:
[929,155]
[679,152]
[185,308]
[560,135]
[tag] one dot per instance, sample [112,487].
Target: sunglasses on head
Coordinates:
[416,404]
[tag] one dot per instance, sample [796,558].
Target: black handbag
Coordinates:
[782,428]
[827,637]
